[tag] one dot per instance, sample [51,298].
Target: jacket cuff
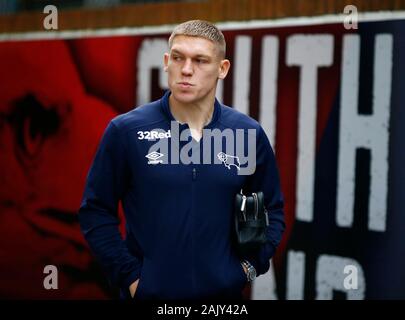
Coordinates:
[261,261]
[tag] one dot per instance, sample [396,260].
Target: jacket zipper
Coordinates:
[193,178]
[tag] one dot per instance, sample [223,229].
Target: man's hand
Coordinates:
[133,287]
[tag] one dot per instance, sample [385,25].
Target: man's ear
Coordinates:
[224,68]
[165,61]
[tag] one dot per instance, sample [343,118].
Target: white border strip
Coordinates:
[233,25]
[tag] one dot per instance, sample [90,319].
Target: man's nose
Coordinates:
[187,68]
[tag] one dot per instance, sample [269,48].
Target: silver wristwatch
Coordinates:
[251,271]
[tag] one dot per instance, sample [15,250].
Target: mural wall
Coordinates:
[331,101]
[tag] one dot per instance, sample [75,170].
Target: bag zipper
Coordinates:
[243,206]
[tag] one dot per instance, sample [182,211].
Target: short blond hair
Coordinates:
[203,29]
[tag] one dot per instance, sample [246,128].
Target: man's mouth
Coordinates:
[185,84]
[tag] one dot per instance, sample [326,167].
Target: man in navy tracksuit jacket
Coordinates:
[179,216]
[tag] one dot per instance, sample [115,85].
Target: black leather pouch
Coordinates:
[251,221]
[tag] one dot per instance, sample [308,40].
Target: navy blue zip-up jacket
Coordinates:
[179,217]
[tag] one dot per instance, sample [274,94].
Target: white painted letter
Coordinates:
[241,82]
[364,131]
[295,275]
[264,287]
[268,87]
[309,52]
[150,56]
[329,277]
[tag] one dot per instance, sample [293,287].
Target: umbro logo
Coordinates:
[154,156]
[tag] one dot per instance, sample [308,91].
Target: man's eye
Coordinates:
[201,60]
[176,58]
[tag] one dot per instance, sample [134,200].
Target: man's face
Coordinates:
[194,65]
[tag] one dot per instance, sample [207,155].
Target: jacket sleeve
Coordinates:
[106,183]
[266,179]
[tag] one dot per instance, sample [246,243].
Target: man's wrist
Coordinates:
[249,270]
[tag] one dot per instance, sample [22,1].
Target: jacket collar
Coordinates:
[166,110]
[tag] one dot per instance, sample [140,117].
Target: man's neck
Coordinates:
[196,115]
